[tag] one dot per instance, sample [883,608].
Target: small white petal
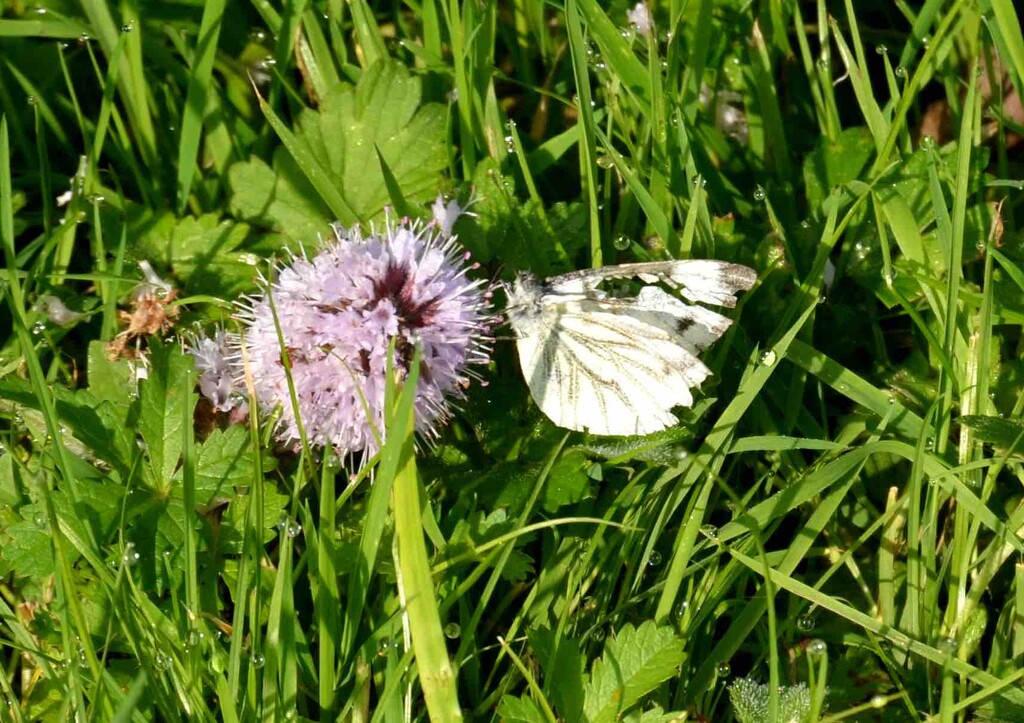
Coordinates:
[640,18]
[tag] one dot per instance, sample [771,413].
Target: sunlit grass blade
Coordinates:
[195,101]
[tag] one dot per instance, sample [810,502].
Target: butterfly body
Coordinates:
[618,365]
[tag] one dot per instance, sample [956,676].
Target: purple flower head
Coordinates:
[337,313]
[218,368]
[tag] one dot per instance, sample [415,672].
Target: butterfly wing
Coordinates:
[617,366]
[704,280]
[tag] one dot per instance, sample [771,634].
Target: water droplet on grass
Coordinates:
[805,622]
[621,242]
[759,194]
[452,631]
[258,660]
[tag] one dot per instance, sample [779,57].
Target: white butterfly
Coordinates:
[614,365]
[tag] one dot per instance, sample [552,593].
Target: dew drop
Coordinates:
[882,50]
[605,161]
[33,101]
[130,556]
[384,647]
[39,520]
[38,328]
[452,631]
[293,530]
[723,670]
[621,242]
[805,622]
[510,143]
[891,399]
[195,638]
[709,531]
[682,609]
[258,660]
[759,194]
[878,701]
[823,64]
[655,559]
[258,35]
[127,28]
[949,646]
[817,647]
[901,72]
[162,661]
[768,358]
[681,454]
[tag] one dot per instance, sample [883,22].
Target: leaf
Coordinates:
[563,673]
[26,547]
[223,462]
[634,663]
[163,409]
[520,710]
[98,508]
[1003,433]
[381,114]
[525,235]
[206,253]
[836,163]
[110,381]
[568,481]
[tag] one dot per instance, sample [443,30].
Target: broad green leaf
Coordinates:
[162,410]
[568,481]
[520,710]
[382,113]
[111,381]
[205,253]
[563,671]
[836,163]
[635,662]
[521,234]
[223,462]
[26,547]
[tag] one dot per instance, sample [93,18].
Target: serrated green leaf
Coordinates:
[567,482]
[26,548]
[563,671]
[520,710]
[204,252]
[162,409]
[110,381]
[525,235]
[634,663]
[223,462]
[382,113]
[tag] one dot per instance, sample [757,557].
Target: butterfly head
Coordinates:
[524,307]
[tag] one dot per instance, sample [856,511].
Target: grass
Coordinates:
[837,516]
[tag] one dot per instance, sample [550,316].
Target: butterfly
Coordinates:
[617,365]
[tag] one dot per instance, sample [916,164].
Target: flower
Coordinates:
[55,310]
[219,368]
[337,313]
[445,215]
[640,18]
